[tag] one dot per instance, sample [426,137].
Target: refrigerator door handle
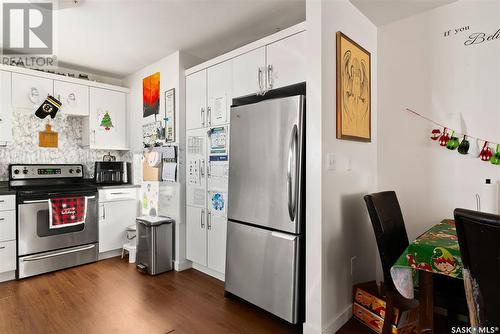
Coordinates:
[292,163]
[283,236]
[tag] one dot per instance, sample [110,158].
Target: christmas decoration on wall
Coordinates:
[106,122]
[48,138]
[49,107]
[467,146]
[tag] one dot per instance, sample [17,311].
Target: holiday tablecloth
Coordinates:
[434,251]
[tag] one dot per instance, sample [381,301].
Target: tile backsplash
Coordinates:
[24,147]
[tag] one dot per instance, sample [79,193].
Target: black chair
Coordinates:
[479,239]
[392,240]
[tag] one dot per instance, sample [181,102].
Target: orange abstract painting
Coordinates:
[151,94]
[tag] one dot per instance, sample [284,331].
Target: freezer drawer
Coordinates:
[262,267]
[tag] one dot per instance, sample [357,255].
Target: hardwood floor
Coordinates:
[112,297]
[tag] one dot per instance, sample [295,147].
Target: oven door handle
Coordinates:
[46,200]
[74,250]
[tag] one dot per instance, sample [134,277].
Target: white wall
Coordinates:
[172,196]
[445,80]
[337,216]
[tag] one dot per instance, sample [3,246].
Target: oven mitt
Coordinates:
[49,107]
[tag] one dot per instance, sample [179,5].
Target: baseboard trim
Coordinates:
[182,265]
[339,321]
[8,276]
[110,254]
[209,271]
[309,329]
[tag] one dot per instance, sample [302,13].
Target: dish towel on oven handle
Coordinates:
[67,211]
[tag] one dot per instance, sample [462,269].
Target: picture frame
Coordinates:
[169,118]
[353,105]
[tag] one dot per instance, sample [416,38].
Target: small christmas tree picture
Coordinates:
[106,122]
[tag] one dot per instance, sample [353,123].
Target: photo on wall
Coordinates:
[353,90]
[151,94]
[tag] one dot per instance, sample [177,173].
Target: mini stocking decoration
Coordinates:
[495,159]
[435,134]
[464,146]
[443,140]
[486,153]
[453,142]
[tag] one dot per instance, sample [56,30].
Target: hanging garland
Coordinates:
[452,142]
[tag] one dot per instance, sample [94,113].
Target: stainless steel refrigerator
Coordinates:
[265,205]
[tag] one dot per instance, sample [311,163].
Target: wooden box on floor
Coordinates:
[369,308]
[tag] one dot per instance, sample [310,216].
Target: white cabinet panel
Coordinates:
[28,91]
[5,107]
[7,202]
[217,235]
[7,225]
[73,97]
[196,167]
[196,100]
[196,235]
[219,81]
[114,218]
[107,123]
[286,60]
[249,73]
[7,256]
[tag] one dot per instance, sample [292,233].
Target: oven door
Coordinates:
[34,234]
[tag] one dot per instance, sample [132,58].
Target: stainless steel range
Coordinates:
[41,247]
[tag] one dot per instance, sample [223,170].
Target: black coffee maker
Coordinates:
[112,172]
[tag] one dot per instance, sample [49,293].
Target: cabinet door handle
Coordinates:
[202,113]
[202,167]
[209,116]
[202,216]
[2,219]
[209,220]
[261,88]
[270,82]
[34,95]
[71,99]
[103,212]
[209,172]
[2,247]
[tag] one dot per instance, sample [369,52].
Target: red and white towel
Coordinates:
[67,211]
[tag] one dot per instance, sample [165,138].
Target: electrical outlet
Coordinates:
[353,262]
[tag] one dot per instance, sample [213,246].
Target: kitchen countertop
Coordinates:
[4,189]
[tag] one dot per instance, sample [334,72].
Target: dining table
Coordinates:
[435,252]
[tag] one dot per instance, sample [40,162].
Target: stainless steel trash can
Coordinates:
[154,244]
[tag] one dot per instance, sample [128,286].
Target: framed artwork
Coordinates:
[170,115]
[353,90]
[151,95]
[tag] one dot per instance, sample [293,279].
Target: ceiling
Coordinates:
[382,12]
[118,37]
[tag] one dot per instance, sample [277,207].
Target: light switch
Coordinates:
[331,159]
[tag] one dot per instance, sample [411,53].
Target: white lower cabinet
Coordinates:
[217,235]
[206,239]
[196,235]
[8,254]
[115,215]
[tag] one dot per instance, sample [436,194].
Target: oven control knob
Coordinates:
[78,171]
[71,171]
[25,171]
[16,171]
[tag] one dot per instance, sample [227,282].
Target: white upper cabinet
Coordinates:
[249,73]
[5,108]
[28,91]
[286,61]
[107,124]
[196,100]
[220,81]
[73,97]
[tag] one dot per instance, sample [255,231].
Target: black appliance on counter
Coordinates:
[112,172]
